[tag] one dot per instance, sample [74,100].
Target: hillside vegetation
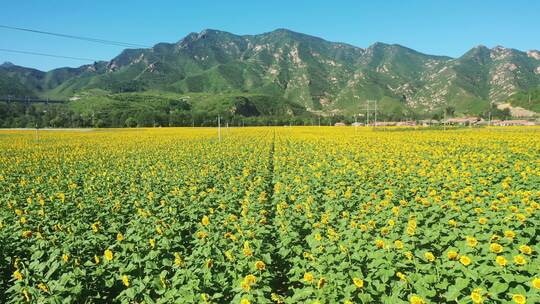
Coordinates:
[291,72]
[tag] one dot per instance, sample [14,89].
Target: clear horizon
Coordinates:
[448,28]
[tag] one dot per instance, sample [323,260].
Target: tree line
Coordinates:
[20,115]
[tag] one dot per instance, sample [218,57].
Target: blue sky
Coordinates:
[434,27]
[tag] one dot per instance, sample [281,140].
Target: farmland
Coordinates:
[270,215]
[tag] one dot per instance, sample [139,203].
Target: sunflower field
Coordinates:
[270,215]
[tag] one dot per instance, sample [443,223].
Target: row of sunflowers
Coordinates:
[270,215]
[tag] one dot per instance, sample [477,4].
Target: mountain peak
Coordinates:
[480,47]
[378,44]
[283,30]
[6,64]
[211,32]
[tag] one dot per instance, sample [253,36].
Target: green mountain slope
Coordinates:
[321,76]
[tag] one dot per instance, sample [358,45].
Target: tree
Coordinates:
[130,122]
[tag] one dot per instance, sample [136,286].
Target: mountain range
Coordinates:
[296,70]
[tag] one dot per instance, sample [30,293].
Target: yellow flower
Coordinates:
[525,249]
[245,301]
[205,221]
[178,259]
[27,234]
[465,260]
[245,286]
[519,299]
[95,227]
[260,265]
[510,234]
[276,298]
[125,280]
[476,297]
[536,283]
[119,237]
[247,249]
[18,275]
[429,256]
[452,222]
[248,281]
[501,260]
[401,276]
[409,255]
[520,260]
[96,259]
[43,287]
[308,277]
[229,255]
[398,244]
[152,243]
[108,255]
[497,248]
[471,241]
[209,263]
[452,255]
[26,295]
[359,283]
[321,283]
[379,243]
[416,300]
[482,220]
[65,257]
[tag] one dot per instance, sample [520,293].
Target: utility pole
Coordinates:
[369,109]
[367,114]
[489,116]
[444,119]
[219,127]
[375,113]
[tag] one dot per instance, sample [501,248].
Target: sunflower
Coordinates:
[108,255]
[520,260]
[452,254]
[359,283]
[465,260]
[536,283]
[260,265]
[519,299]
[429,256]
[416,300]
[476,296]
[125,280]
[525,249]
[308,277]
[501,261]
[497,248]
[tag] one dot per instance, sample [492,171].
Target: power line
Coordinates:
[96,40]
[48,55]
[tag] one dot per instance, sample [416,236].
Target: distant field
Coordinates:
[270,215]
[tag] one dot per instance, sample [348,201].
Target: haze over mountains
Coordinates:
[300,70]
